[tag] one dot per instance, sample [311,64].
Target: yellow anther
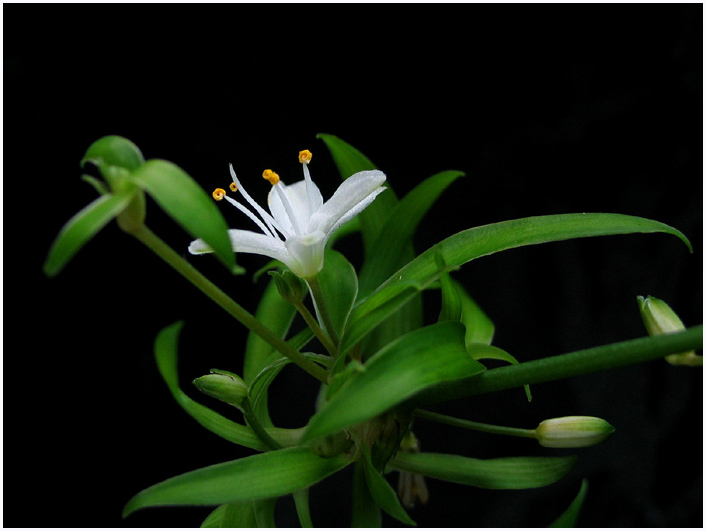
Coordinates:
[233,187]
[271,176]
[218,194]
[305,156]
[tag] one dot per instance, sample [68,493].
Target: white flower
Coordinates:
[299,223]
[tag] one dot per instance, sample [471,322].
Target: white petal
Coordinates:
[356,193]
[245,241]
[307,254]
[298,199]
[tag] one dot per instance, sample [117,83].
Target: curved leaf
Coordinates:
[114,150]
[411,364]
[339,287]
[260,476]
[568,518]
[383,494]
[500,473]
[184,200]
[165,349]
[81,228]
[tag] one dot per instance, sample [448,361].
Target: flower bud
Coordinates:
[659,318]
[573,432]
[225,386]
[292,288]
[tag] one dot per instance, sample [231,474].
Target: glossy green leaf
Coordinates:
[165,350]
[500,473]
[116,151]
[339,287]
[488,239]
[266,475]
[186,202]
[401,225]
[81,228]
[383,494]
[414,362]
[568,518]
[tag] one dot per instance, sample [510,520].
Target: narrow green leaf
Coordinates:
[114,150]
[568,518]
[186,202]
[260,476]
[479,328]
[339,286]
[414,362]
[81,228]
[451,308]
[401,225]
[383,494]
[301,502]
[482,351]
[500,473]
[165,349]
[366,512]
[264,511]
[488,239]
[232,515]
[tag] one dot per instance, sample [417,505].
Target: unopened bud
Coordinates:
[659,319]
[573,432]
[224,386]
[292,288]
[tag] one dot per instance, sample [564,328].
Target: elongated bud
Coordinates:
[292,288]
[573,432]
[224,386]
[659,319]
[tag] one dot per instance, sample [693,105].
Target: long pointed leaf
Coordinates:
[186,202]
[405,367]
[383,494]
[267,475]
[568,518]
[81,228]
[500,473]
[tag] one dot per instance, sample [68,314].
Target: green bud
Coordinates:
[292,288]
[224,386]
[659,319]
[573,432]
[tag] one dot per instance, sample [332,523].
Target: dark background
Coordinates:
[546,108]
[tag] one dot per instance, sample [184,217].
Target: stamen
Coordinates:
[253,217]
[270,176]
[233,187]
[305,156]
[271,223]
[218,194]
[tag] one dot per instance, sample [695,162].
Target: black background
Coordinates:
[546,108]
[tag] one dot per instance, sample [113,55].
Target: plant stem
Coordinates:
[478,426]
[566,365]
[314,325]
[257,427]
[322,311]
[165,252]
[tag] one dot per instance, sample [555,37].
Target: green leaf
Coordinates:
[301,502]
[165,349]
[366,512]
[479,328]
[184,200]
[482,351]
[500,473]
[401,225]
[266,475]
[339,287]
[414,362]
[383,494]
[232,515]
[488,239]
[114,150]
[81,228]
[451,308]
[568,518]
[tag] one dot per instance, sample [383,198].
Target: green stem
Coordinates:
[566,365]
[257,427]
[165,252]
[322,310]
[314,325]
[478,426]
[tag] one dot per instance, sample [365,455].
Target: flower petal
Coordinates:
[298,198]
[307,254]
[354,195]
[245,241]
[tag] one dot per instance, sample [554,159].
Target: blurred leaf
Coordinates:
[568,518]
[339,286]
[184,200]
[301,502]
[414,362]
[366,512]
[500,473]
[266,475]
[81,228]
[383,494]
[232,515]
[165,349]
[401,225]
[114,151]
